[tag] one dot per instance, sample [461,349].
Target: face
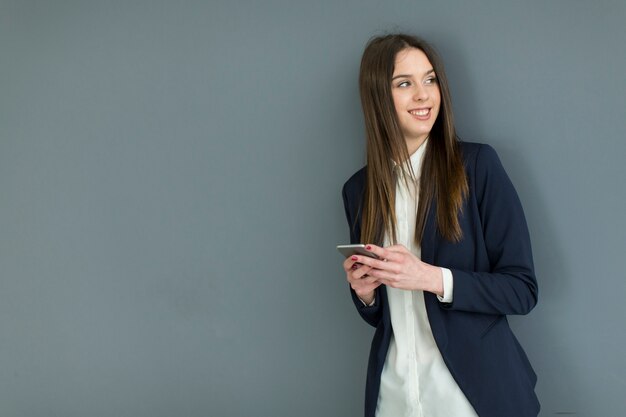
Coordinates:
[416,95]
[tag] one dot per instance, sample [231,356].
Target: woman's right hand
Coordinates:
[362,284]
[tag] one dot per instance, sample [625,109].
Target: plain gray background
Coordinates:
[170,176]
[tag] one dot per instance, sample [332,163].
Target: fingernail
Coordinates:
[354,258]
[368,247]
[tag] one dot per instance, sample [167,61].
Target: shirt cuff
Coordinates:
[370,304]
[448,286]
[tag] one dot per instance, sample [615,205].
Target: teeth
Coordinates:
[422,112]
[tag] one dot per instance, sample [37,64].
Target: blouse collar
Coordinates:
[416,159]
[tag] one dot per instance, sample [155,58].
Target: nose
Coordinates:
[420,93]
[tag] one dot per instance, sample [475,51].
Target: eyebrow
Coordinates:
[409,75]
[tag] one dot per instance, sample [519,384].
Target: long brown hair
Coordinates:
[442,179]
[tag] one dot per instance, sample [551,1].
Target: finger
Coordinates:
[355,275]
[390,253]
[365,284]
[376,250]
[382,275]
[356,266]
[388,282]
[397,248]
[361,272]
[348,264]
[393,256]
[376,263]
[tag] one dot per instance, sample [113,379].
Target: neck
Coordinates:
[413,145]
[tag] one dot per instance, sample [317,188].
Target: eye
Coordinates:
[404,84]
[430,80]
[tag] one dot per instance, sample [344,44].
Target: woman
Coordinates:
[454,255]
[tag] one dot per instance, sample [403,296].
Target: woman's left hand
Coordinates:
[397,267]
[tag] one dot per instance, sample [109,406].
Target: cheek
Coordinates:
[397,102]
[438,97]
[437,100]
[438,110]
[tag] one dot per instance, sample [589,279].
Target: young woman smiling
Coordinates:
[452,246]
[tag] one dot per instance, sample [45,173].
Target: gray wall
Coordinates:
[170,178]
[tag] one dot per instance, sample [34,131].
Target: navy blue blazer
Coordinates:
[493,275]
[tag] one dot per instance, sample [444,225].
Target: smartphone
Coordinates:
[359,249]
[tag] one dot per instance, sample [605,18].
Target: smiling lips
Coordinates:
[420,114]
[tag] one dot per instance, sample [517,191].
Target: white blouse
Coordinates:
[415,381]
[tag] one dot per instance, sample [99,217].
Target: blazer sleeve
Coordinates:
[371,314]
[510,285]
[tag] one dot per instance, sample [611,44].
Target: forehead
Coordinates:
[411,61]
